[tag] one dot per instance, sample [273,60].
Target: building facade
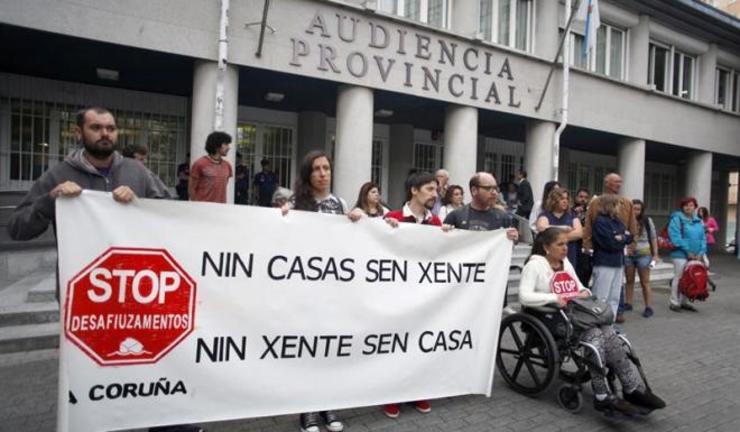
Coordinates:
[386,86]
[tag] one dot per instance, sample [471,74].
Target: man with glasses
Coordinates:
[482,214]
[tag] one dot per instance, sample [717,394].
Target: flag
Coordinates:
[588,12]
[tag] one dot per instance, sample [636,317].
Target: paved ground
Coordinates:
[692,360]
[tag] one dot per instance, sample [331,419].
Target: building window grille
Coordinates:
[427,157]
[507,22]
[376,169]
[257,141]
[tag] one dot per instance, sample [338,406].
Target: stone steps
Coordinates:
[21,338]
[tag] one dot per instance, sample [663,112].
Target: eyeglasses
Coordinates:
[488,188]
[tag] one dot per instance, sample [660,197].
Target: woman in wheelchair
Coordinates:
[548,279]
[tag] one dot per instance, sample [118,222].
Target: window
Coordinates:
[427,156]
[736,91]
[660,191]
[683,75]
[376,169]
[726,82]
[258,141]
[671,71]
[610,53]
[433,12]
[507,22]
[41,134]
[722,87]
[658,67]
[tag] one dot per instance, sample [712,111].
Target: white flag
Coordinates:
[588,12]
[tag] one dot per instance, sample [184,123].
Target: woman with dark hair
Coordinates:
[644,256]
[313,193]
[686,231]
[557,214]
[539,205]
[452,200]
[711,226]
[547,265]
[369,201]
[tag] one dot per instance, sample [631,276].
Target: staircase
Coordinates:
[29,313]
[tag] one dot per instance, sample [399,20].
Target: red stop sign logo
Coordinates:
[563,284]
[129,306]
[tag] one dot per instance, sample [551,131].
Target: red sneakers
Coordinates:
[392,410]
[423,406]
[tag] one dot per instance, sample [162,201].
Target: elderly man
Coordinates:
[443,178]
[608,279]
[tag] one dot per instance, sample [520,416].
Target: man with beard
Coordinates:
[96,166]
[422,191]
[481,214]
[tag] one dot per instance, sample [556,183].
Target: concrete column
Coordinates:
[547,36]
[204,109]
[465,16]
[639,51]
[720,213]
[737,222]
[707,69]
[354,140]
[538,154]
[400,157]
[461,143]
[311,132]
[631,166]
[699,178]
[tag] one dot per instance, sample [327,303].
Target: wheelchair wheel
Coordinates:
[527,356]
[570,398]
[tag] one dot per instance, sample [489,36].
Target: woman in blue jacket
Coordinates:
[686,231]
[609,240]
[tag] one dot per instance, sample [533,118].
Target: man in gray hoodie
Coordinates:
[96,166]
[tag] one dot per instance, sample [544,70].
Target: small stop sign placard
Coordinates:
[563,284]
[129,306]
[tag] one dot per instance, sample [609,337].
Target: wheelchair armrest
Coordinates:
[548,308]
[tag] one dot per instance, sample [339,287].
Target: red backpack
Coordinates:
[694,281]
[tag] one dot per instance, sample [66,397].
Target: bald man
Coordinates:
[612,185]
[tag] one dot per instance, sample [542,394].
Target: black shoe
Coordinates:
[310,422]
[612,404]
[674,308]
[332,422]
[645,399]
[688,307]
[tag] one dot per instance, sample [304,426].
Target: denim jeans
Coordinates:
[607,285]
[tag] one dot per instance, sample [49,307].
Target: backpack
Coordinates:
[694,281]
[664,240]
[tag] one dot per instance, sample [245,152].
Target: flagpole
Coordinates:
[564,104]
[554,62]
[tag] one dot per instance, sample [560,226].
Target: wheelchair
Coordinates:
[540,343]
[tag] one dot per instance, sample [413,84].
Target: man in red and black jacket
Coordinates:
[421,189]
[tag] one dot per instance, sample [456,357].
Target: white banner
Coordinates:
[178,312]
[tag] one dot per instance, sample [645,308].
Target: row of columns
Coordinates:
[354,138]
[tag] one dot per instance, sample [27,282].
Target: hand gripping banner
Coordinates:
[178,312]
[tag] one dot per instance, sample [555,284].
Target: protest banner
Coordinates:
[177,312]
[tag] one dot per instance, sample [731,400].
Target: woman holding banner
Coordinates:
[313,193]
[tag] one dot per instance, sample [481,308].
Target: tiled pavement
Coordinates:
[692,360]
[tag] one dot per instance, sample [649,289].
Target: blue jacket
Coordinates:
[687,235]
[608,251]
